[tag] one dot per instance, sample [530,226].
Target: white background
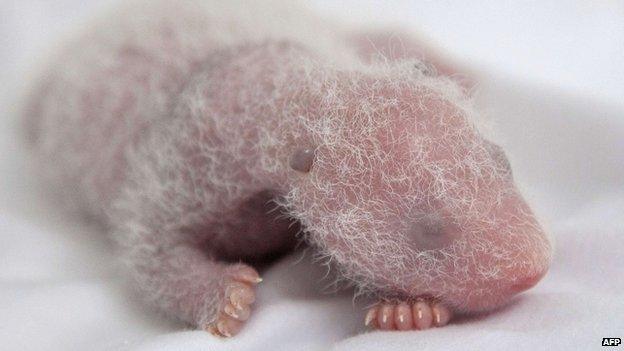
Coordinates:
[576,45]
[553,78]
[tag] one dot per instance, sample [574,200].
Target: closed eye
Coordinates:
[431,232]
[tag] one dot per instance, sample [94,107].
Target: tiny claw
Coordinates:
[241,313]
[371,315]
[403,316]
[223,329]
[230,311]
[385,318]
[247,274]
[422,315]
[212,330]
[441,314]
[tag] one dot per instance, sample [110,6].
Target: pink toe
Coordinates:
[441,314]
[385,317]
[240,313]
[403,317]
[228,326]
[422,315]
[240,294]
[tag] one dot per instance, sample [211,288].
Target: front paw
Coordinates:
[419,315]
[241,281]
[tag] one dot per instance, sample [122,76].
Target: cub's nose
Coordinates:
[525,283]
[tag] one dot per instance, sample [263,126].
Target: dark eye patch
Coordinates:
[499,156]
[431,232]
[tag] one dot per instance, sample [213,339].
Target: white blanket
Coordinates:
[61,288]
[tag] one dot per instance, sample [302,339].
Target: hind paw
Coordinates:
[418,315]
[236,305]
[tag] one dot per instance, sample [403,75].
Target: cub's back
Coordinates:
[109,84]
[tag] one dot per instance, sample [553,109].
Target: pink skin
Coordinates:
[185,237]
[512,212]
[394,316]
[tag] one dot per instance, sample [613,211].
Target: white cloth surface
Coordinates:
[61,288]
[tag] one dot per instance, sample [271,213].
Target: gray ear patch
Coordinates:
[302,160]
[499,156]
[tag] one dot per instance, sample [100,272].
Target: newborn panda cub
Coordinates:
[207,135]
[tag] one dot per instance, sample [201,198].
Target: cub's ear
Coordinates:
[302,160]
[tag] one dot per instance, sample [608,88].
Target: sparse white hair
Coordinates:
[211,113]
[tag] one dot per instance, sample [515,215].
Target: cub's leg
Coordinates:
[195,273]
[197,200]
[188,283]
[184,229]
